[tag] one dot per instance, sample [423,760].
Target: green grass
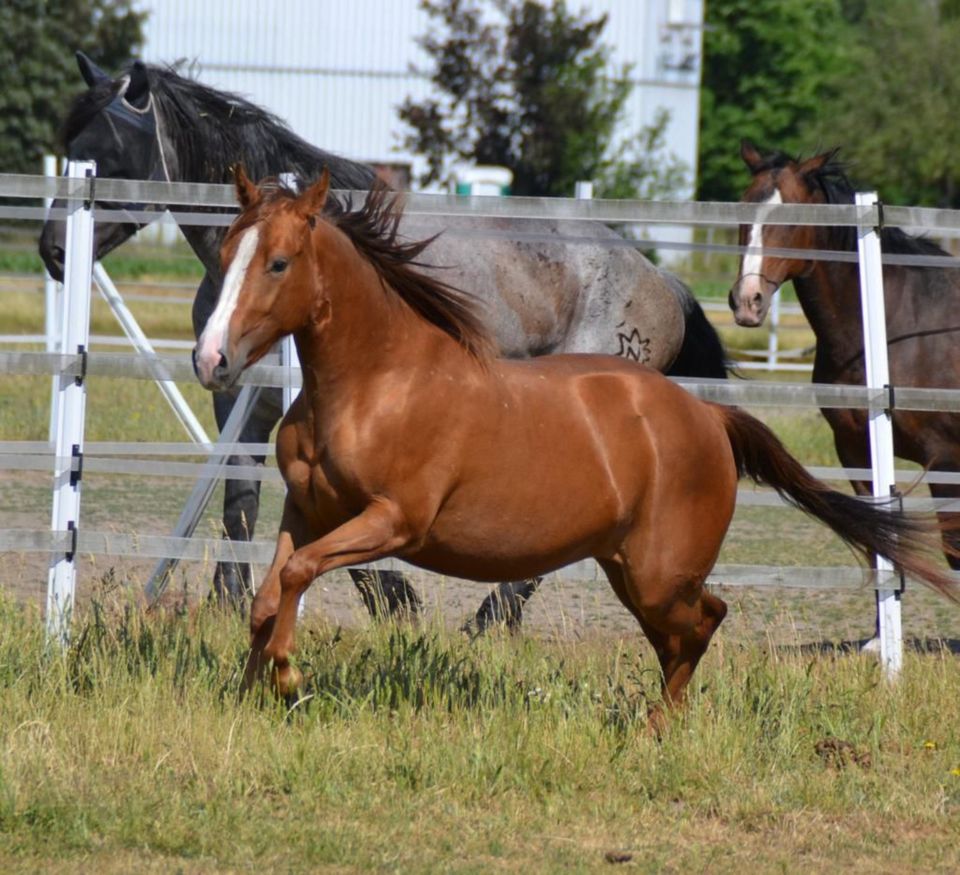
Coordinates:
[135,261]
[416,751]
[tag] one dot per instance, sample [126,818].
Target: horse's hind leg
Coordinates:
[678,616]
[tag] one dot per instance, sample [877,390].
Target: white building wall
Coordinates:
[336,71]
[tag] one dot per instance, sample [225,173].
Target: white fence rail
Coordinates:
[63,541]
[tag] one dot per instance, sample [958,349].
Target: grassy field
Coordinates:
[416,750]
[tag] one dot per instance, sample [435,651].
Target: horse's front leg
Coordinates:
[378,531]
[263,612]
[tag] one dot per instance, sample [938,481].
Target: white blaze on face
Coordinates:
[751,273]
[214,336]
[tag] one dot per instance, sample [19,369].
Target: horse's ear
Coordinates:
[814,165]
[751,155]
[91,73]
[138,90]
[247,192]
[314,198]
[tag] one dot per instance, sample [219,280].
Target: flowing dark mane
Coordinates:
[837,189]
[211,130]
[373,229]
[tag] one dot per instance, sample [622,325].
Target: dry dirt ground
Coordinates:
[780,616]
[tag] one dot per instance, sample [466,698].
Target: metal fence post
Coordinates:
[290,361]
[880,425]
[52,292]
[71,404]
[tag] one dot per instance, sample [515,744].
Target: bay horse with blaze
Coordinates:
[922,307]
[431,449]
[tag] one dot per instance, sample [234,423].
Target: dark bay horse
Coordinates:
[922,305]
[433,450]
[151,123]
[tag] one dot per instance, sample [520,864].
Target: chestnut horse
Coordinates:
[430,449]
[922,306]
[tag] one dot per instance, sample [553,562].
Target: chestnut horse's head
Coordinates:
[270,281]
[777,179]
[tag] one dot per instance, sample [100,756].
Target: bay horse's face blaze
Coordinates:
[271,282]
[762,268]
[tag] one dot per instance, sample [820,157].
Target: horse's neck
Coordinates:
[830,299]
[367,334]
[205,242]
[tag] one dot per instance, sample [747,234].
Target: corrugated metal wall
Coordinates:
[336,71]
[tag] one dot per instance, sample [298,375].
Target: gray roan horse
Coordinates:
[540,297]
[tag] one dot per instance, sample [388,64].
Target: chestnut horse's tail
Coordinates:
[906,539]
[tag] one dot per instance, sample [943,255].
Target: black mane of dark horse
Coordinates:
[206,126]
[837,188]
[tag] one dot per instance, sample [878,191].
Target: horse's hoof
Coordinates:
[656,722]
[287,680]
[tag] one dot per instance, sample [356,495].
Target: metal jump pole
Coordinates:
[141,343]
[880,426]
[71,405]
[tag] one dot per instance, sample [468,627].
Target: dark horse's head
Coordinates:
[115,123]
[777,179]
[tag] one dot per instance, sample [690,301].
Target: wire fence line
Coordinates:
[217,207]
[223,197]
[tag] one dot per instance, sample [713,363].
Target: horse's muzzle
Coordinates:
[217,378]
[748,303]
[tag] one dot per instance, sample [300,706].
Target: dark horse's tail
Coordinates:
[905,539]
[701,354]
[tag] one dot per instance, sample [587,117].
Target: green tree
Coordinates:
[896,118]
[530,90]
[768,68]
[38,74]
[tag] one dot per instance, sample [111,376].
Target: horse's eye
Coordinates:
[278,265]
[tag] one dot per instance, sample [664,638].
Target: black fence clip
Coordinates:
[897,503]
[72,549]
[880,222]
[76,465]
[92,190]
[82,352]
[891,399]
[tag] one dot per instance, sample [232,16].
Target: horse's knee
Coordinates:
[259,615]
[296,575]
[682,612]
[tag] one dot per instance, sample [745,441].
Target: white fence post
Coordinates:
[288,349]
[290,361]
[52,292]
[880,423]
[71,404]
